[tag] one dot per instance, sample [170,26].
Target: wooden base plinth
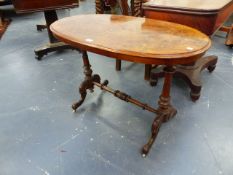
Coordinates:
[190,74]
[51,47]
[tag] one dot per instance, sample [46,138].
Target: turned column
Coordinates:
[165,110]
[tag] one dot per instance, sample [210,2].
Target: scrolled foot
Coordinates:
[194,96]
[79,103]
[211,68]
[38,57]
[87,84]
[145,150]
[75,106]
[195,93]
[154,132]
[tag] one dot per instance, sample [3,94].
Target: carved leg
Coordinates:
[118,65]
[165,109]
[156,73]
[88,81]
[147,71]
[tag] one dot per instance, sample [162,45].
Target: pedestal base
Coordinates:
[51,47]
[190,74]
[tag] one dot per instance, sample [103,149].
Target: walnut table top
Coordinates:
[133,39]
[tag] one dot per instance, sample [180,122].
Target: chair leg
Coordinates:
[229,31]
[147,71]
[229,40]
[118,65]
[124,7]
[99,7]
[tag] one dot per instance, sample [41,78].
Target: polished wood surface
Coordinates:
[133,39]
[23,6]
[197,16]
[191,5]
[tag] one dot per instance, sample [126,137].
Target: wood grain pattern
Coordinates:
[134,39]
[207,19]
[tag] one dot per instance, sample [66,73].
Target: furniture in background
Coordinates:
[133,10]
[3,21]
[49,8]
[163,44]
[205,15]
[229,31]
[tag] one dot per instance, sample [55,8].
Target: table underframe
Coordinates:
[164,112]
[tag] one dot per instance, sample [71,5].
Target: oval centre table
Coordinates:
[139,40]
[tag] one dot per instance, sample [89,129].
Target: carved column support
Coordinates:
[88,81]
[165,109]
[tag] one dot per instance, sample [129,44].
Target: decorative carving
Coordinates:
[121,95]
[154,132]
[87,83]
[125,97]
[91,80]
[165,109]
[164,112]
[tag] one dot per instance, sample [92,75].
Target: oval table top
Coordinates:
[131,38]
